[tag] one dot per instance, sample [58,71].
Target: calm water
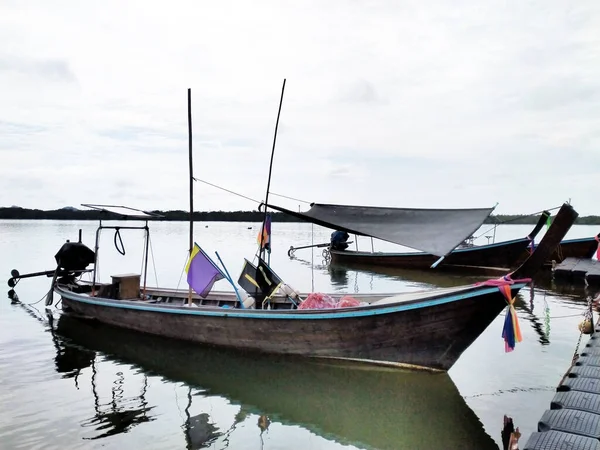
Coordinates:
[68,384]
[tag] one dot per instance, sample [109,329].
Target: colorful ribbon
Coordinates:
[532,247]
[511,332]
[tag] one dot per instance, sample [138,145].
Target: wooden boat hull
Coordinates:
[431,332]
[507,255]
[502,254]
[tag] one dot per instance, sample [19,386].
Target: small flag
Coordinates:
[259,281]
[548,222]
[202,272]
[598,250]
[264,235]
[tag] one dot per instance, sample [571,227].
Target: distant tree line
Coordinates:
[222,216]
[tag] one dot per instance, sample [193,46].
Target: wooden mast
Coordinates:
[262,230]
[191,167]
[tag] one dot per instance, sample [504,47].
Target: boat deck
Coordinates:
[573,420]
[579,270]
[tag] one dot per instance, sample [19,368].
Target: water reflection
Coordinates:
[121,413]
[361,406]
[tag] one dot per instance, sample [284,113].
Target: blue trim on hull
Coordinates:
[308,315]
[573,241]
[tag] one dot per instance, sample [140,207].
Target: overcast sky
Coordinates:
[395,103]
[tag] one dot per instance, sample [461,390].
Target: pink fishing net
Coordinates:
[316,300]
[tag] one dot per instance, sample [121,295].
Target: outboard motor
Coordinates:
[74,256]
[71,259]
[339,240]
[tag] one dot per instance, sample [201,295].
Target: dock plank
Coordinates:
[586,371]
[572,421]
[579,270]
[581,401]
[556,440]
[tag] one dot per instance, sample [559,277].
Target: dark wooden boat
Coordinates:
[481,259]
[441,235]
[498,255]
[428,329]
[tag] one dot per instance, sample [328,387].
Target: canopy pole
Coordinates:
[312,257]
[356,241]
[372,248]
[435,264]
[147,229]
[191,169]
[237,294]
[262,230]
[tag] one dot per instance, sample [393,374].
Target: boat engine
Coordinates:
[74,256]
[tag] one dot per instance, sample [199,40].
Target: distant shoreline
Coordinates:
[221,216]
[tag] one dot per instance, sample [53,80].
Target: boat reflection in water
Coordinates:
[350,404]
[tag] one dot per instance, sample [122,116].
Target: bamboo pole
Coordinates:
[191,167]
[262,231]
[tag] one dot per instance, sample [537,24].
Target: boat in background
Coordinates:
[441,235]
[486,258]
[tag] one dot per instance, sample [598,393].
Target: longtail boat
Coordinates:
[405,226]
[504,254]
[427,329]
[441,237]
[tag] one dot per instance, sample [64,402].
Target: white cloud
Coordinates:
[410,104]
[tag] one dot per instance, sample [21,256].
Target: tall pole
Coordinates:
[262,249]
[189,98]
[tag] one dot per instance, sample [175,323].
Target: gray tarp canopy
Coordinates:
[434,231]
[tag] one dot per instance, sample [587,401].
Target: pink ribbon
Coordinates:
[502,281]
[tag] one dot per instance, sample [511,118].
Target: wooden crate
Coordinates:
[128,286]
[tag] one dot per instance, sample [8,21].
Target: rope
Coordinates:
[35,303]
[514,219]
[118,235]
[587,315]
[182,270]
[153,262]
[143,253]
[562,317]
[290,198]
[249,198]
[226,190]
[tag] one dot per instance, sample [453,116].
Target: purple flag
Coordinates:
[202,272]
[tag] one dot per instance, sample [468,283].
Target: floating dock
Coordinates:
[578,270]
[573,420]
